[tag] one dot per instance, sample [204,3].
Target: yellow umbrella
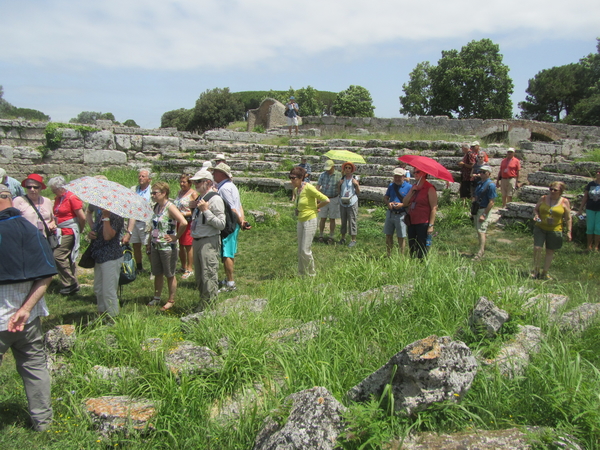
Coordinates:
[345,155]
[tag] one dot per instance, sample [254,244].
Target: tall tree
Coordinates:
[90,117]
[354,102]
[471,83]
[553,93]
[177,118]
[215,108]
[308,101]
[417,92]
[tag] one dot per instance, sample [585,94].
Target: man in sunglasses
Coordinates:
[15,188]
[26,269]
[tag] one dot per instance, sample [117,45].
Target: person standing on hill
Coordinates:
[26,269]
[327,185]
[229,193]
[485,193]
[291,112]
[394,218]
[349,189]
[137,230]
[466,165]
[508,176]
[552,214]
[591,203]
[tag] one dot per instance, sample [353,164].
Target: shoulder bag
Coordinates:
[51,237]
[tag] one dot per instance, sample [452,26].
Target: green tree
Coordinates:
[130,123]
[354,102]
[553,93]
[471,83]
[308,100]
[90,117]
[178,118]
[417,92]
[215,108]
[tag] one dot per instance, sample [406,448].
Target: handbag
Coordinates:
[51,237]
[474,208]
[86,261]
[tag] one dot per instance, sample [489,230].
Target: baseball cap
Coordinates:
[399,171]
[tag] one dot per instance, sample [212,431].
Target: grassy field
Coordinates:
[559,389]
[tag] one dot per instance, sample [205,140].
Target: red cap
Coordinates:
[34,177]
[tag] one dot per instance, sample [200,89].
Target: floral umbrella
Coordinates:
[111,196]
[428,165]
[345,155]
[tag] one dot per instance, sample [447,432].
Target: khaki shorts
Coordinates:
[508,186]
[139,235]
[164,261]
[331,210]
[482,227]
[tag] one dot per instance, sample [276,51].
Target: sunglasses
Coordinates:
[293,178]
[32,187]
[5,196]
[155,193]
[554,190]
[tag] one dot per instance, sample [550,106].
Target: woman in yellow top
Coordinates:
[551,212]
[308,201]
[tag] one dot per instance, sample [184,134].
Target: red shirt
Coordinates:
[64,209]
[419,208]
[509,168]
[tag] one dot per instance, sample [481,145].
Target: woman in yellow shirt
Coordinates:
[308,200]
[551,212]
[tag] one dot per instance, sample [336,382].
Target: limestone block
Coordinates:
[91,156]
[430,370]
[60,339]
[189,358]
[518,210]
[71,138]
[372,193]
[383,160]
[315,421]
[259,166]
[513,357]
[114,374]
[63,155]
[303,333]
[160,144]
[546,303]
[581,168]
[27,153]
[193,144]
[120,413]
[241,304]
[375,181]
[578,319]
[531,157]
[241,165]
[123,141]
[262,182]
[573,182]
[6,154]
[450,162]
[137,142]
[382,295]
[487,317]
[102,140]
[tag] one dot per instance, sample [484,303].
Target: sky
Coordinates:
[139,59]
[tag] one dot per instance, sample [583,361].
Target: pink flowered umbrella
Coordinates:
[111,196]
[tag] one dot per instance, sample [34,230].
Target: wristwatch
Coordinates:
[106,219]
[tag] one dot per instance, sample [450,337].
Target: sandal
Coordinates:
[168,305]
[154,302]
[187,274]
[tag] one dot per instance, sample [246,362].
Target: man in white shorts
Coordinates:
[291,113]
[327,185]
[137,230]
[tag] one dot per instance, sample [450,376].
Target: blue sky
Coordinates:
[139,59]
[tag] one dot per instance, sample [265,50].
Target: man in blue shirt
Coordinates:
[485,193]
[394,218]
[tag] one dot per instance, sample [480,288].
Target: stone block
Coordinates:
[430,370]
[546,303]
[121,413]
[513,358]
[487,317]
[71,138]
[91,156]
[315,421]
[573,182]
[123,141]
[63,155]
[6,154]
[160,144]
[189,358]
[102,140]
[60,339]
[578,319]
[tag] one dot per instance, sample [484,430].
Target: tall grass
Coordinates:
[347,341]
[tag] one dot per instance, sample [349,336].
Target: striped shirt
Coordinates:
[12,297]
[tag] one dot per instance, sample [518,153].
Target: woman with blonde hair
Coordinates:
[552,214]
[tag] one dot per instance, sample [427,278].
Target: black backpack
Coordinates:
[231,218]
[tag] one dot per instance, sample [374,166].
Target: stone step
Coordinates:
[573,182]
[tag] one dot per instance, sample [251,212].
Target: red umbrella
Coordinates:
[428,165]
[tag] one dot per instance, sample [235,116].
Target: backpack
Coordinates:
[128,272]
[231,218]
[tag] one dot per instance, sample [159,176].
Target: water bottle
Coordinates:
[428,240]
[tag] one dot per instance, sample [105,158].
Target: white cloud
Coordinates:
[219,34]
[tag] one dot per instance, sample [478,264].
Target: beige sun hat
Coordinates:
[202,174]
[223,168]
